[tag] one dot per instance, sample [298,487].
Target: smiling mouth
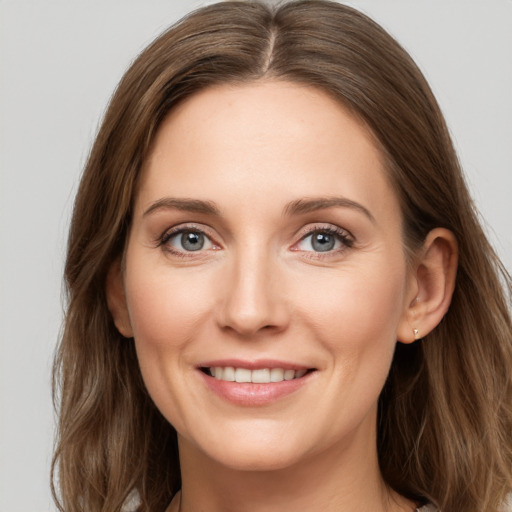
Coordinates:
[258,376]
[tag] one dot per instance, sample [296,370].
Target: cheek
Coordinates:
[166,310]
[165,307]
[366,296]
[356,312]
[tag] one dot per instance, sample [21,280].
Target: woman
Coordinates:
[272,203]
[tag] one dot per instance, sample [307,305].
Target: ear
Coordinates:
[432,281]
[116,300]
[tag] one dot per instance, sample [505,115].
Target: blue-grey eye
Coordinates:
[322,242]
[192,241]
[187,241]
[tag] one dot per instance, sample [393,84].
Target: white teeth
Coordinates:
[242,375]
[229,374]
[289,374]
[260,376]
[276,375]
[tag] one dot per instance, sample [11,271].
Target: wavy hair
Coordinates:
[445,414]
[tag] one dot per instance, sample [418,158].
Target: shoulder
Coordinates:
[507,506]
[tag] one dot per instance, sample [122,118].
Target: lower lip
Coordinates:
[249,394]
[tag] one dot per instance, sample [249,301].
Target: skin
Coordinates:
[259,289]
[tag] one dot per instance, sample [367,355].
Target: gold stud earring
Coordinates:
[416,333]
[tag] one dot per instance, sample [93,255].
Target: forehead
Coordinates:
[280,139]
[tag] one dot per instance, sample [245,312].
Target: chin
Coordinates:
[256,460]
[247,451]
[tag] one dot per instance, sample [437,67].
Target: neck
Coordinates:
[347,478]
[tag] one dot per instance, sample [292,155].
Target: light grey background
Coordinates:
[59,63]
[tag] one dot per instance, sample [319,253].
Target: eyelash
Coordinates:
[345,238]
[163,240]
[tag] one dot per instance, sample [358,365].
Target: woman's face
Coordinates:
[266,245]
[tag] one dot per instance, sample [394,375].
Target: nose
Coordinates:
[254,297]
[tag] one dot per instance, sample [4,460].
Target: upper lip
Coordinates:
[254,364]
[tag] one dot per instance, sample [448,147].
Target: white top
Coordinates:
[133,502]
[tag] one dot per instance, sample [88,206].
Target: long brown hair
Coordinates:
[445,414]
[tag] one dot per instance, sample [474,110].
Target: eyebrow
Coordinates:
[185,204]
[308,205]
[297,207]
